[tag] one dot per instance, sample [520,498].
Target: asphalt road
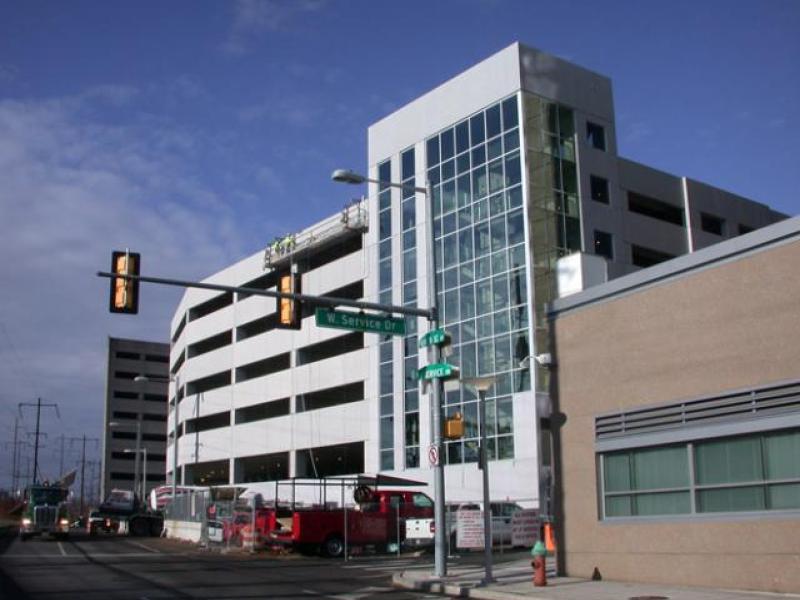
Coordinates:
[148,569]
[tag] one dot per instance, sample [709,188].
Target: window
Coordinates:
[603,244]
[743,229]
[711,224]
[264,410]
[125,375]
[128,355]
[650,481]
[599,189]
[118,414]
[421,500]
[755,472]
[156,358]
[595,135]
[655,209]
[647,257]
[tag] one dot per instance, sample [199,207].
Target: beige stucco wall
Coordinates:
[731,326]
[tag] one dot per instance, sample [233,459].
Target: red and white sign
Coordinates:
[469,529]
[433,456]
[524,527]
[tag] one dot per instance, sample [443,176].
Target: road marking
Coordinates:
[90,555]
[60,547]
[140,545]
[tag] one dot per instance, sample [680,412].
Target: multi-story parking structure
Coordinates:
[259,402]
[520,151]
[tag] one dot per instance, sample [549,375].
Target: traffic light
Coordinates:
[454,427]
[289,311]
[124,297]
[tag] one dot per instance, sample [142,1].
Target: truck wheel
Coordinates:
[155,528]
[139,528]
[333,546]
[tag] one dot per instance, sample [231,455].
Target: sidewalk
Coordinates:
[513,581]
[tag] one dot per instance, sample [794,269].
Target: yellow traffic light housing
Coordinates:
[289,315]
[124,296]
[454,427]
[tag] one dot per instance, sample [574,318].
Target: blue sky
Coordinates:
[194,132]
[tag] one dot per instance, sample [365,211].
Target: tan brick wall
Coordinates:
[732,326]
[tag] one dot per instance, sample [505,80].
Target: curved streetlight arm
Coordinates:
[348,176]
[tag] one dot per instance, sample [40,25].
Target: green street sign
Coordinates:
[340,319]
[437,337]
[440,370]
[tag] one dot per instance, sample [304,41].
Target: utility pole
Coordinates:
[83,439]
[14,461]
[61,458]
[39,404]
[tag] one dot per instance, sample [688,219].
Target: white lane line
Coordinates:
[140,545]
[90,555]
[60,547]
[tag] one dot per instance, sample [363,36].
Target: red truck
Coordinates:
[377,520]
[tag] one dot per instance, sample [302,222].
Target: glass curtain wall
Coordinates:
[409,276]
[385,367]
[554,206]
[475,170]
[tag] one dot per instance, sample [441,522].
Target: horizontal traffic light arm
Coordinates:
[329,301]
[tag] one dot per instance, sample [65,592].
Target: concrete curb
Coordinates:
[455,589]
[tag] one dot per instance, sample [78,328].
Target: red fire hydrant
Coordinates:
[539,553]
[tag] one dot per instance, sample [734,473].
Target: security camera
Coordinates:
[545,359]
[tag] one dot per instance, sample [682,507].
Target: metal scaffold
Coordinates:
[287,249]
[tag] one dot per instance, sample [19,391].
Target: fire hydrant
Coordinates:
[539,552]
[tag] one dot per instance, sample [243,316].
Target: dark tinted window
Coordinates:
[647,257]
[599,189]
[595,135]
[603,245]
[656,209]
[711,224]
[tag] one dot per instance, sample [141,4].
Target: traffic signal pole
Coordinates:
[328,301]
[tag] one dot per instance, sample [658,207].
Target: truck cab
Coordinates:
[45,512]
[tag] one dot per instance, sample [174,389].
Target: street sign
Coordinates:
[440,370]
[433,456]
[435,337]
[525,527]
[341,319]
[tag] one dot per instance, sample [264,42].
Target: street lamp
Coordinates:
[481,385]
[440,541]
[174,379]
[144,469]
[118,425]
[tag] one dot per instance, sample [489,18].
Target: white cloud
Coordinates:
[252,18]
[74,188]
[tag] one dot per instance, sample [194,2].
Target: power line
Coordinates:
[38,406]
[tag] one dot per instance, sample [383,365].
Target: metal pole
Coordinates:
[440,541]
[83,468]
[14,460]
[61,461]
[175,439]
[144,475]
[344,506]
[36,442]
[308,299]
[487,513]
[136,452]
